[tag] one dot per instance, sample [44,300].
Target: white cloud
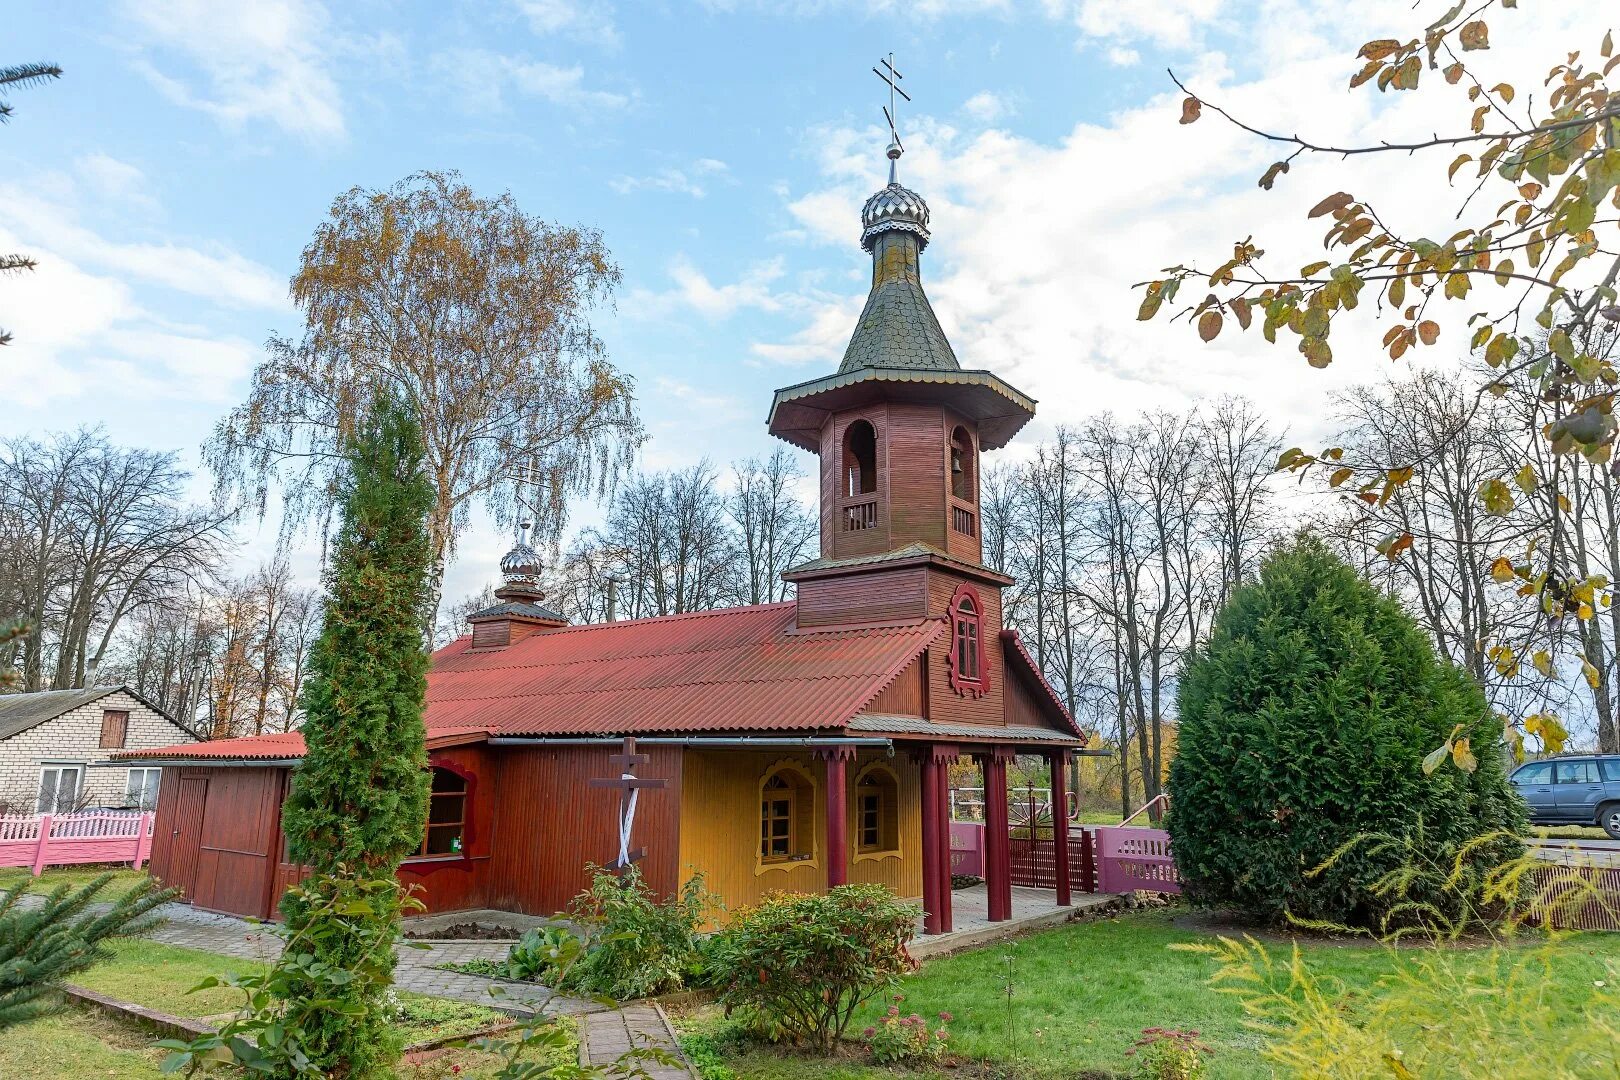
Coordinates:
[1120,56]
[480,79]
[266,61]
[693,291]
[116,181]
[1174,24]
[681,181]
[986,107]
[1036,245]
[590,21]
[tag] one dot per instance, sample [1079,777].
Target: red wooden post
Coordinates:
[930,844]
[837,758]
[1059,765]
[143,842]
[44,842]
[944,755]
[998,844]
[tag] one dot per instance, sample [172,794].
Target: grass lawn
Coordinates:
[159,976]
[123,880]
[1084,992]
[79,1045]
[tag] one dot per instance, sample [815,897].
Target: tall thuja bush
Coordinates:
[359,799]
[1303,727]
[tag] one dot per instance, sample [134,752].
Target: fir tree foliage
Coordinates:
[359,798]
[43,944]
[1303,726]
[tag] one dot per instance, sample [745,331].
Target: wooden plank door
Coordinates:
[186,841]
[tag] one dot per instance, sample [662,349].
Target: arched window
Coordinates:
[447,815]
[969,666]
[877,806]
[860,458]
[962,464]
[786,816]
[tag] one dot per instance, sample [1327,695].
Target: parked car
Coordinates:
[1575,790]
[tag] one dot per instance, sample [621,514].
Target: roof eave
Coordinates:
[1001,410]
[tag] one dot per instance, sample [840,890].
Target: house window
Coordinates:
[141,789]
[876,811]
[968,626]
[969,667]
[860,458]
[786,827]
[59,788]
[962,464]
[447,815]
[114,728]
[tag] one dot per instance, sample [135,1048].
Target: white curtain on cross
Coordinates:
[627,820]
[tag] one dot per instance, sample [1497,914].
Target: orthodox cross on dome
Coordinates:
[629,786]
[891,78]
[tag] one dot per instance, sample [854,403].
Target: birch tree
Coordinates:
[477,316]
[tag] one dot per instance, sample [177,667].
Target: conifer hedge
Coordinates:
[1303,725]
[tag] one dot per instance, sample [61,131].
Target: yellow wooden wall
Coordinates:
[720,826]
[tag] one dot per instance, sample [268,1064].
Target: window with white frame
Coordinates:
[59,787]
[141,790]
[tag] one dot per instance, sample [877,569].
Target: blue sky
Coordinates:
[169,181]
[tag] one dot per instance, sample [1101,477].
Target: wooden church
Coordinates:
[802,744]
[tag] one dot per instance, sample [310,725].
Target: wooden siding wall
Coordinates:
[462,884]
[946,705]
[906,696]
[232,866]
[720,831]
[1023,706]
[959,544]
[880,596]
[549,824]
[836,542]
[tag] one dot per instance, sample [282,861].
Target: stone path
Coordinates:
[606,1036]
[418,971]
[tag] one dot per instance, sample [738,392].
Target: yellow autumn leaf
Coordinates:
[1501,570]
[1462,755]
[1543,662]
[1593,679]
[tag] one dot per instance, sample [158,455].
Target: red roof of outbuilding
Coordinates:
[732,670]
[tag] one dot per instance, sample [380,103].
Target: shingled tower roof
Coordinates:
[897,328]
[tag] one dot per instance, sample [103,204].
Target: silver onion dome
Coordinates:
[522,565]
[895,208]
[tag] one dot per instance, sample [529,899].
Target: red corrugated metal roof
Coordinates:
[266,747]
[733,670]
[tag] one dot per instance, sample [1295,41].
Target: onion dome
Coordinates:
[521,569]
[895,208]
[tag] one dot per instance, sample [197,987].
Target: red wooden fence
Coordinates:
[1106,859]
[70,839]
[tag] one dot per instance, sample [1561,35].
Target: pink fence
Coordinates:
[69,839]
[1105,859]
[1130,857]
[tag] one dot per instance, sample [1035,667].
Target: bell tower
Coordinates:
[899,430]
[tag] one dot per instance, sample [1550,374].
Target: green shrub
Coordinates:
[540,953]
[908,1039]
[1303,725]
[804,964]
[637,945]
[1167,1054]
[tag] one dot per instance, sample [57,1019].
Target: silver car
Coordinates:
[1576,790]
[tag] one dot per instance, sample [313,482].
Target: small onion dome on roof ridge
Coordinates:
[521,569]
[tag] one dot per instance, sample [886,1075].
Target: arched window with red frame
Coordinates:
[969,663]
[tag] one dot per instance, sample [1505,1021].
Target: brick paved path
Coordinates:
[418,969]
[604,1036]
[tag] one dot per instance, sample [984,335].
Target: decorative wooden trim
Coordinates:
[879,854]
[812,858]
[979,685]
